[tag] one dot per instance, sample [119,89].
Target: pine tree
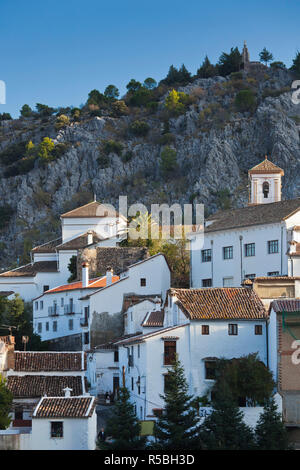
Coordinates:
[123,427]
[207,69]
[224,428]
[270,432]
[296,65]
[265,56]
[5,404]
[229,63]
[178,427]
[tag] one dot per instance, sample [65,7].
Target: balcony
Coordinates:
[69,309]
[84,322]
[53,311]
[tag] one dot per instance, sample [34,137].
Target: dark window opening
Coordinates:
[210,370]
[143,282]
[232,329]
[45,288]
[266,189]
[206,255]
[169,352]
[206,282]
[57,429]
[205,329]
[258,329]
[116,356]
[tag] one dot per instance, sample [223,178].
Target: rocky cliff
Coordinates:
[215,146]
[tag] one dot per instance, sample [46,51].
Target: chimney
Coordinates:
[90,239]
[109,275]
[10,355]
[67,391]
[157,303]
[85,274]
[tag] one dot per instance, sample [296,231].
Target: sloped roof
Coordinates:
[93,284]
[79,242]
[258,214]
[31,269]
[154,319]
[285,305]
[220,303]
[92,209]
[31,386]
[266,166]
[49,361]
[48,247]
[67,407]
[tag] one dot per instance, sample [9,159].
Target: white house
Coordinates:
[200,325]
[261,239]
[93,224]
[64,423]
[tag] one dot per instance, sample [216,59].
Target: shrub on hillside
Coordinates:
[245,100]
[139,128]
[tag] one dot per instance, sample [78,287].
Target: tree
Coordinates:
[72,267]
[123,427]
[26,111]
[111,92]
[168,160]
[5,117]
[184,75]
[119,108]
[150,83]
[296,65]
[133,85]
[229,63]
[245,100]
[44,110]
[278,65]
[172,76]
[173,102]
[207,69]
[45,148]
[270,432]
[139,128]
[224,428]
[6,399]
[265,56]
[96,98]
[178,426]
[61,122]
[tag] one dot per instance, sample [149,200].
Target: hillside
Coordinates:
[193,147]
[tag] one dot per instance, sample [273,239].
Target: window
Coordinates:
[71,325]
[139,351]
[206,282]
[47,326]
[19,413]
[227,252]
[116,356]
[132,383]
[227,281]
[62,302]
[232,329]
[206,255]
[273,246]
[266,189]
[57,429]
[45,288]
[258,329]
[169,352]
[250,249]
[210,370]
[141,412]
[205,329]
[273,273]
[39,327]
[54,326]
[143,282]
[86,337]
[139,385]
[250,276]
[41,305]
[36,305]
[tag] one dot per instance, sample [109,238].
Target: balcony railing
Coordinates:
[84,322]
[53,311]
[69,309]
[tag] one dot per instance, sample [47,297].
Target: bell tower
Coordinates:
[265,183]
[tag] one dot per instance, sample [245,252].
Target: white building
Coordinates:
[200,325]
[74,308]
[65,423]
[261,239]
[94,225]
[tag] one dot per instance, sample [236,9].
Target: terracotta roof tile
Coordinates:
[220,303]
[286,305]
[93,284]
[266,166]
[257,214]
[31,386]
[30,270]
[79,242]
[49,361]
[67,407]
[48,247]
[155,318]
[93,209]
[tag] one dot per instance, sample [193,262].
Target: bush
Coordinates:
[5,117]
[13,153]
[139,128]
[6,212]
[168,161]
[111,146]
[245,100]
[61,122]
[26,111]
[119,108]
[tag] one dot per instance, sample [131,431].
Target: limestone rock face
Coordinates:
[214,153]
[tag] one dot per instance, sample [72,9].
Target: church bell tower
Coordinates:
[265,183]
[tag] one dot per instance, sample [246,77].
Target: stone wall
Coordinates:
[65,343]
[118,258]
[105,327]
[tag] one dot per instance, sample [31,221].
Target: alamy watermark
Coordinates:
[2,92]
[162,222]
[296,93]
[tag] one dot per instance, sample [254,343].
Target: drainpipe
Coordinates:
[241,252]
[212,263]
[281,243]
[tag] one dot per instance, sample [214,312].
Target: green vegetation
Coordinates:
[72,267]
[6,213]
[111,146]
[150,83]
[207,69]
[111,92]
[245,100]
[168,161]
[177,76]
[176,102]
[6,398]
[177,428]
[26,111]
[61,121]
[270,432]
[139,128]
[123,427]
[296,65]
[229,63]
[43,110]
[5,117]
[265,56]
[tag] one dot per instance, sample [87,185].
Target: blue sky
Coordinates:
[55,52]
